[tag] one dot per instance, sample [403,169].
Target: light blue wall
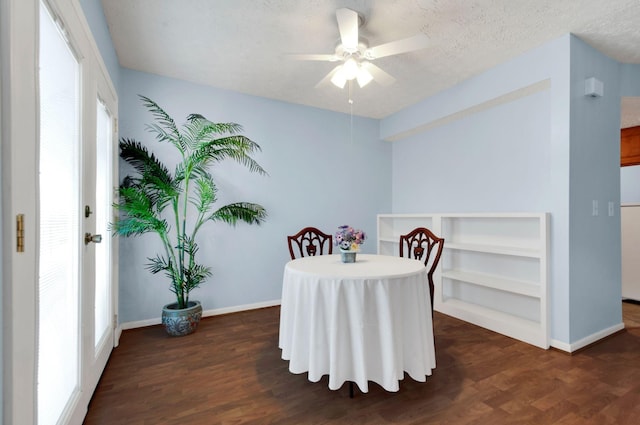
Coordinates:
[94,14]
[629,79]
[545,147]
[317,176]
[595,240]
[494,160]
[497,142]
[483,150]
[305,150]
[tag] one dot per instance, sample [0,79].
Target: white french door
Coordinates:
[59,131]
[103,273]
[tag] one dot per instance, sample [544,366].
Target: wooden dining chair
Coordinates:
[421,244]
[308,242]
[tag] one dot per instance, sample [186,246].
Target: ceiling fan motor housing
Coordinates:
[343,53]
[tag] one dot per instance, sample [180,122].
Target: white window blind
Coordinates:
[58,341]
[103,207]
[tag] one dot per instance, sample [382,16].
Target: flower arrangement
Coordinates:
[349,239]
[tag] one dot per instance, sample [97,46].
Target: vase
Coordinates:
[348,256]
[181,322]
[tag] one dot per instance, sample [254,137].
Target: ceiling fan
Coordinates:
[356,55]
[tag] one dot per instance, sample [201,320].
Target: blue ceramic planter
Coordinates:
[181,322]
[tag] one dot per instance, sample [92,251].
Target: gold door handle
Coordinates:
[88,237]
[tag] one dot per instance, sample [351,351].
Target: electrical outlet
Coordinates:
[594,208]
[611,209]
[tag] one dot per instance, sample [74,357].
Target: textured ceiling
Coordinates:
[242,45]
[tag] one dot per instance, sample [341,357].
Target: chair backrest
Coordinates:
[308,242]
[421,244]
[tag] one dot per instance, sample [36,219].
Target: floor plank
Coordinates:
[230,372]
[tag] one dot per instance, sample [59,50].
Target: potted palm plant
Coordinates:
[175,205]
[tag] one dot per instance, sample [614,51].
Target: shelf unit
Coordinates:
[391,226]
[493,271]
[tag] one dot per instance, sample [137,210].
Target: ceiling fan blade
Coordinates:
[348,26]
[312,57]
[417,42]
[379,75]
[327,79]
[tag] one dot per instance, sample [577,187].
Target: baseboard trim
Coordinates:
[559,345]
[586,341]
[206,313]
[245,307]
[116,336]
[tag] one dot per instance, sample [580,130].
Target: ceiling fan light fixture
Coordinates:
[356,53]
[350,69]
[364,77]
[338,78]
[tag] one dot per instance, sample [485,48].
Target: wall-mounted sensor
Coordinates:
[593,87]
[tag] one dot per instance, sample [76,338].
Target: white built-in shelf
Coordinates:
[390,240]
[496,249]
[507,324]
[493,270]
[520,287]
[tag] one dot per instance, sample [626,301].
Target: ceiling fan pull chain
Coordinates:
[350,115]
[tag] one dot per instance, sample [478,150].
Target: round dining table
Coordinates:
[357,322]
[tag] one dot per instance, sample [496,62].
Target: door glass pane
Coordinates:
[103,208]
[58,341]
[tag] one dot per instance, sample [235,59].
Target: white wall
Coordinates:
[630,184]
[317,176]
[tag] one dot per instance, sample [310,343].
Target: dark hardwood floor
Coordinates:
[230,372]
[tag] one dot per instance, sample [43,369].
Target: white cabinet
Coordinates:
[493,271]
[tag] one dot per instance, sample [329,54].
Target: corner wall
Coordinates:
[595,238]
[501,142]
[318,177]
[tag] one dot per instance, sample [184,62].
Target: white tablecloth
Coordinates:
[359,322]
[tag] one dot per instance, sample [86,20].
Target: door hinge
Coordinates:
[20,233]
